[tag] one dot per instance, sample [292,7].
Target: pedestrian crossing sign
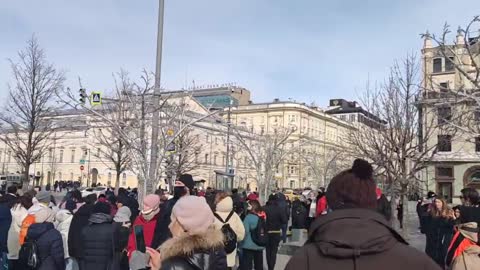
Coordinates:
[96,98]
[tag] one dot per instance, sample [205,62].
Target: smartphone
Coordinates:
[139,240]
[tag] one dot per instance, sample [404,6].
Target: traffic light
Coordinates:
[83,95]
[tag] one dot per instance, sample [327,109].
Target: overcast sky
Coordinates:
[307,50]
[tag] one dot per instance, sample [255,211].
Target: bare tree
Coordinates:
[187,147]
[27,118]
[265,153]
[325,162]
[113,145]
[399,146]
[133,127]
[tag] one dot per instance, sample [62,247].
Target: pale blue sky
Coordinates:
[308,50]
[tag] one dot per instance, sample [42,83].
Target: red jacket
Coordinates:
[321,206]
[148,231]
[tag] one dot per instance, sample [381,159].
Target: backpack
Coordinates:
[229,236]
[29,256]
[260,233]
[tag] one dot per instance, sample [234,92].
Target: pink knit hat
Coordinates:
[150,202]
[194,214]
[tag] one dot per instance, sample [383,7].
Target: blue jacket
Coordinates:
[5,222]
[250,223]
[50,245]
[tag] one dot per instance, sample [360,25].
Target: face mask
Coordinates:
[179,192]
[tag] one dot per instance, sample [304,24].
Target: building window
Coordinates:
[262,130]
[444,115]
[124,179]
[443,87]
[206,158]
[215,159]
[196,157]
[71,176]
[343,117]
[85,153]
[72,158]
[50,155]
[444,143]
[444,172]
[477,144]
[61,156]
[352,118]
[437,65]
[449,64]
[60,176]
[477,116]
[9,156]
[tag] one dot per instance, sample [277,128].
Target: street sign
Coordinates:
[82,167]
[82,161]
[170,132]
[96,98]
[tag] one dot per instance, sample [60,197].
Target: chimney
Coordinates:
[427,41]
[460,37]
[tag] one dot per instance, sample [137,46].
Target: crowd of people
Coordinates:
[348,228]
[451,233]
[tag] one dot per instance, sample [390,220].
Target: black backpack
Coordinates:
[260,233]
[229,236]
[29,256]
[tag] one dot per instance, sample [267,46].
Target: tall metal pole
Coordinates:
[229,118]
[156,101]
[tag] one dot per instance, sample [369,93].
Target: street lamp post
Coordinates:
[152,174]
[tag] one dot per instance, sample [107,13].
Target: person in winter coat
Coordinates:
[299,215]
[224,208]
[383,205]
[122,228]
[11,197]
[64,219]
[282,202]
[464,252]
[276,217]
[439,231]
[5,222]
[123,199]
[19,211]
[48,240]
[183,186]
[148,219]
[97,240]
[41,201]
[354,235]
[79,221]
[252,254]
[321,205]
[196,243]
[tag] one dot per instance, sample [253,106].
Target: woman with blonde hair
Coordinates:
[227,221]
[439,231]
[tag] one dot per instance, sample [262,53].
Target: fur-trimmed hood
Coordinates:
[187,245]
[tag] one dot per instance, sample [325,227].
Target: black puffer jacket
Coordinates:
[50,245]
[194,252]
[276,216]
[79,221]
[97,240]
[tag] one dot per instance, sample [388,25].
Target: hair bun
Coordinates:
[362,169]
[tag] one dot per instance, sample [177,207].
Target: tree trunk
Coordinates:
[117,181]
[405,204]
[26,181]
[393,208]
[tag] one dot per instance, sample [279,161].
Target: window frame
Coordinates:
[441,65]
[441,139]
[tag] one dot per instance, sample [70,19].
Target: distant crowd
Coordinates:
[348,228]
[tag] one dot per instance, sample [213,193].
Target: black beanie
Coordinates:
[187,180]
[101,207]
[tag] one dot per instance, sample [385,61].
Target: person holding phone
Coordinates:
[196,243]
[147,220]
